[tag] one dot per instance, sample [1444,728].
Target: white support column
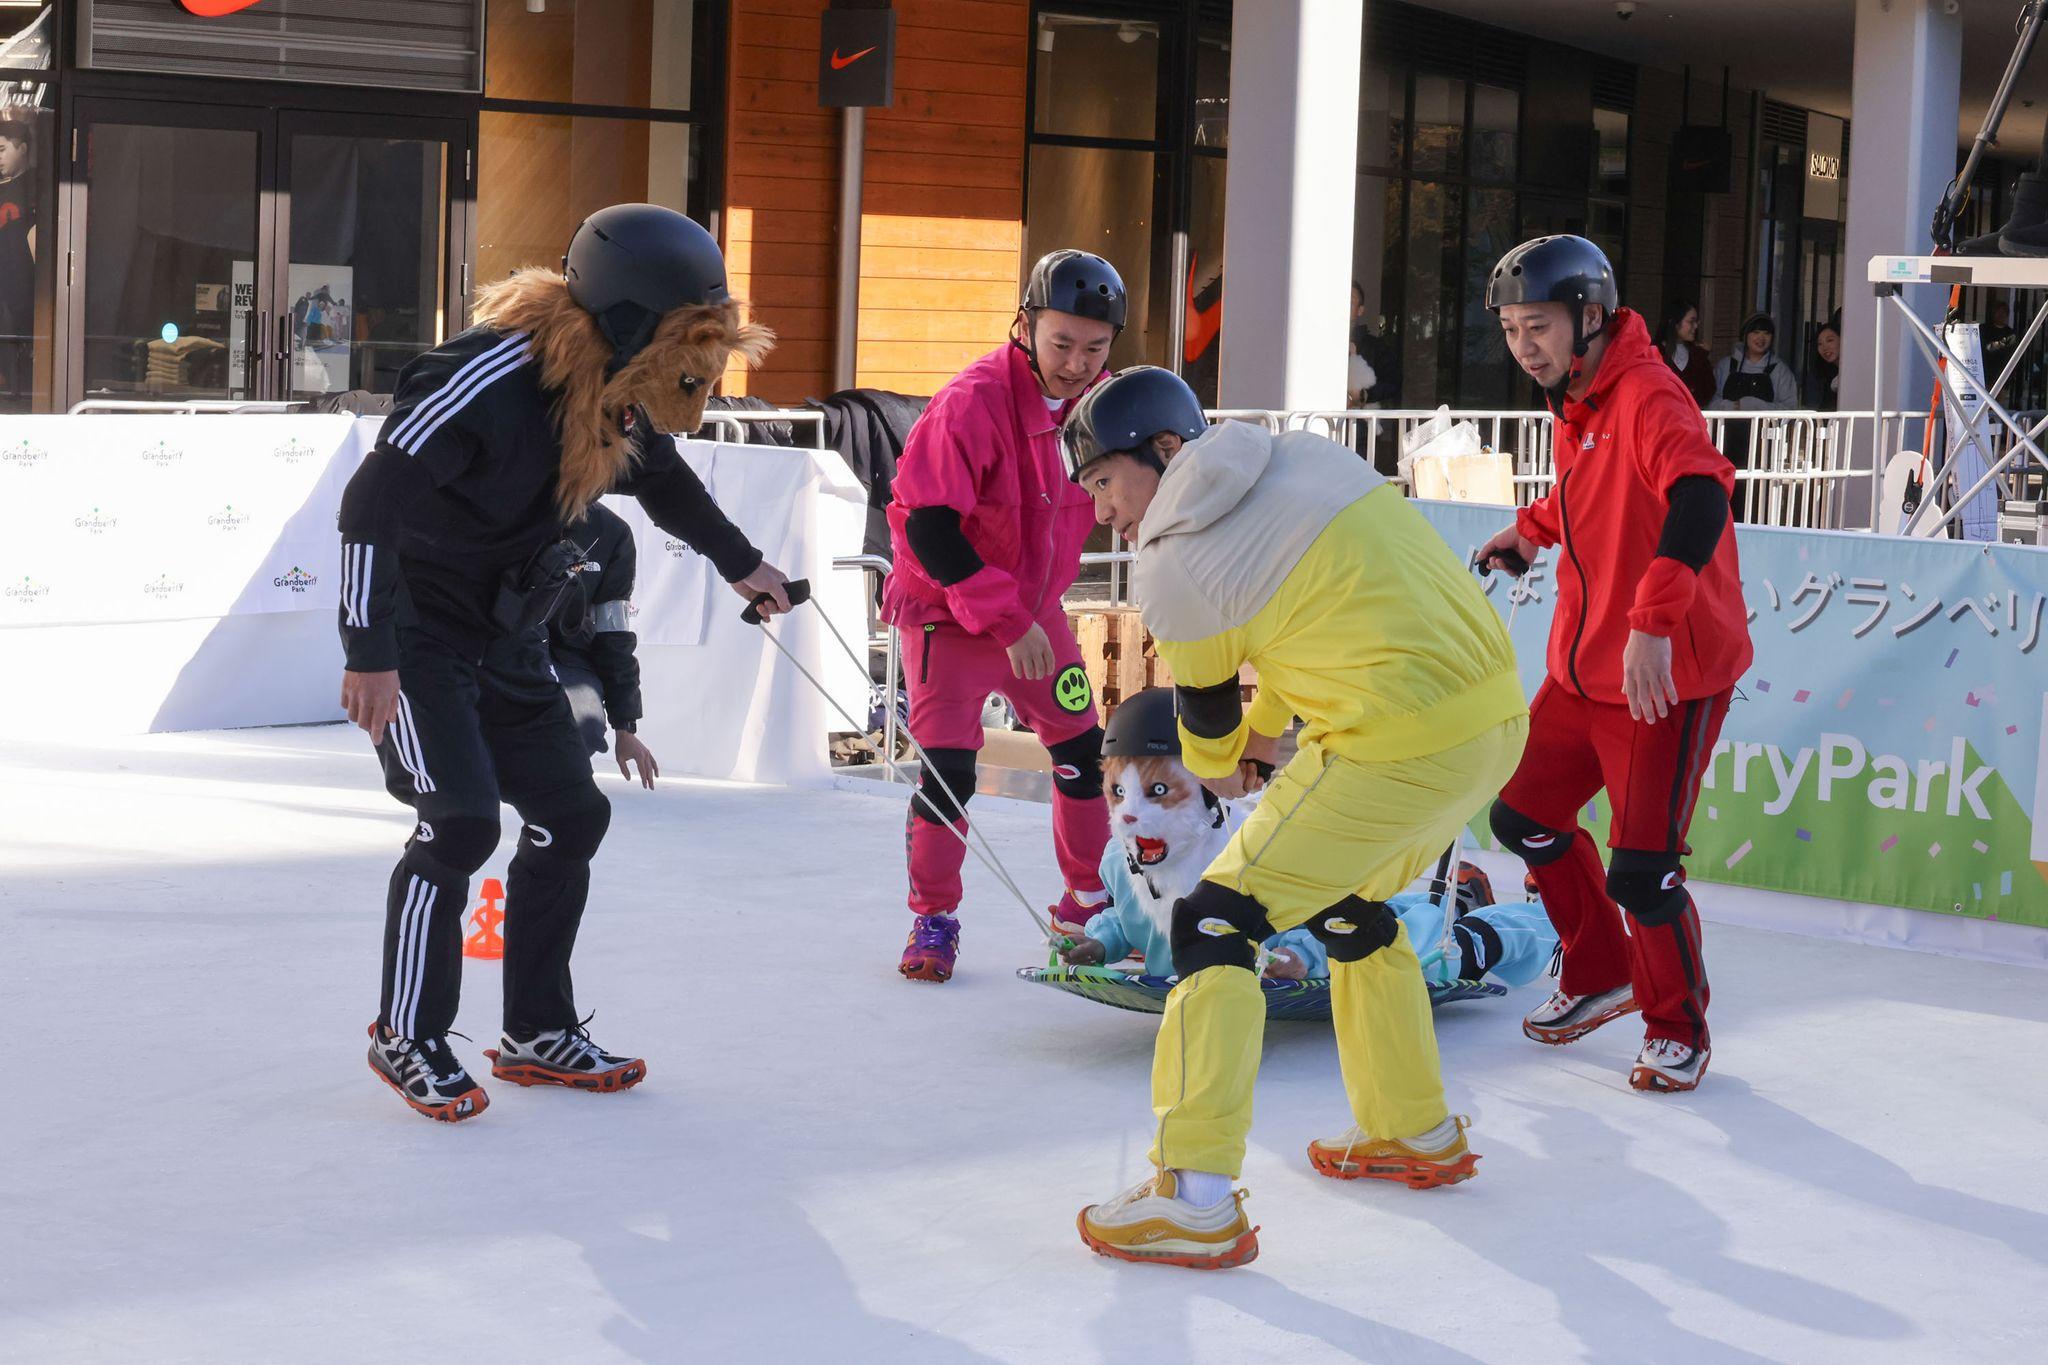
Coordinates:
[1288,206]
[1904,113]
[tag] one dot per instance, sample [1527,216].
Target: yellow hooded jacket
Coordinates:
[1290,553]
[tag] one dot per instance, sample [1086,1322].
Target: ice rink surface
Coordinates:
[830,1164]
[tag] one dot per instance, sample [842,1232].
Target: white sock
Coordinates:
[1203,1189]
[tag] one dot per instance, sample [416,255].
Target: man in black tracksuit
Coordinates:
[453,554]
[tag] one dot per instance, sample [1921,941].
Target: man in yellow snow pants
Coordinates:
[1289,553]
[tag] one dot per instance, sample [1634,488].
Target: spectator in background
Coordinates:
[1679,344]
[1752,379]
[17,263]
[1999,339]
[1824,367]
[1379,355]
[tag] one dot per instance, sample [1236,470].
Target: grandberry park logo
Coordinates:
[298,580]
[27,590]
[22,454]
[162,455]
[95,522]
[163,587]
[227,519]
[292,451]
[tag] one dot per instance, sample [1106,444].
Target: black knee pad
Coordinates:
[954,774]
[1536,844]
[1077,765]
[1355,928]
[1214,926]
[1650,886]
[460,844]
[568,828]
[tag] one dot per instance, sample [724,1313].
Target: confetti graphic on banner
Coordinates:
[1843,703]
[1741,852]
[1951,661]
[1891,842]
[1763,685]
[1801,695]
[1934,849]
[1980,846]
[1805,836]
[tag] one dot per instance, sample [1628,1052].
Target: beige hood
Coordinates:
[1235,512]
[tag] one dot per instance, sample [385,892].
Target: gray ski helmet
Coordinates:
[1076,282]
[1559,269]
[1124,412]
[631,264]
[1144,726]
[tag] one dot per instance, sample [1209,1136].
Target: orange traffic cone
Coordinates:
[484,939]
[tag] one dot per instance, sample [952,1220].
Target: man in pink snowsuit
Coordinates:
[986,531]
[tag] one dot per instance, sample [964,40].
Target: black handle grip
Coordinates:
[799,590]
[1264,769]
[1511,562]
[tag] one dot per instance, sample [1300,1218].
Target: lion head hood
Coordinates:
[669,379]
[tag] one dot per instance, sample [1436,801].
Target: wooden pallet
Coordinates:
[1121,657]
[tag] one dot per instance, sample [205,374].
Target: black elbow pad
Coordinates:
[1211,712]
[941,547]
[1693,526]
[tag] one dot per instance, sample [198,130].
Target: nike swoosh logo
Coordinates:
[215,9]
[839,63]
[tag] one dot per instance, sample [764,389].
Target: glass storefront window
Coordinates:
[1212,86]
[171,247]
[367,275]
[1429,321]
[1439,125]
[1610,152]
[1103,199]
[1098,77]
[1382,121]
[1202,327]
[539,175]
[1496,133]
[634,54]
[27,225]
[1486,372]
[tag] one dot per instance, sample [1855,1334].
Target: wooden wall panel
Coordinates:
[943,187]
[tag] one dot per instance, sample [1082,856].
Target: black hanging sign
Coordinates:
[857,58]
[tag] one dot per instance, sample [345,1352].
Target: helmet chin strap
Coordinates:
[1581,341]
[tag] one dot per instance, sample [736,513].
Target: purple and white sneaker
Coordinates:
[933,945]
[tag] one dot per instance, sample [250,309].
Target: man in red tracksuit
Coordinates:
[1648,640]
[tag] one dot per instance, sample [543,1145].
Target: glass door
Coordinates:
[363,283]
[170,216]
[257,254]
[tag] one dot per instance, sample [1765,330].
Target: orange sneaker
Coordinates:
[1438,1157]
[1148,1223]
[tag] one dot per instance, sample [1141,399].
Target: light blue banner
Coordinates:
[1887,745]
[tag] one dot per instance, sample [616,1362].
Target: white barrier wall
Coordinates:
[180,572]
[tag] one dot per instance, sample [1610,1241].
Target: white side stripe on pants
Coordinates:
[409,963]
[405,742]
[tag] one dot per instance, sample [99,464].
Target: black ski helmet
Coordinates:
[631,264]
[1076,282]
[1123,413]
[1144,726]
[1558,269]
